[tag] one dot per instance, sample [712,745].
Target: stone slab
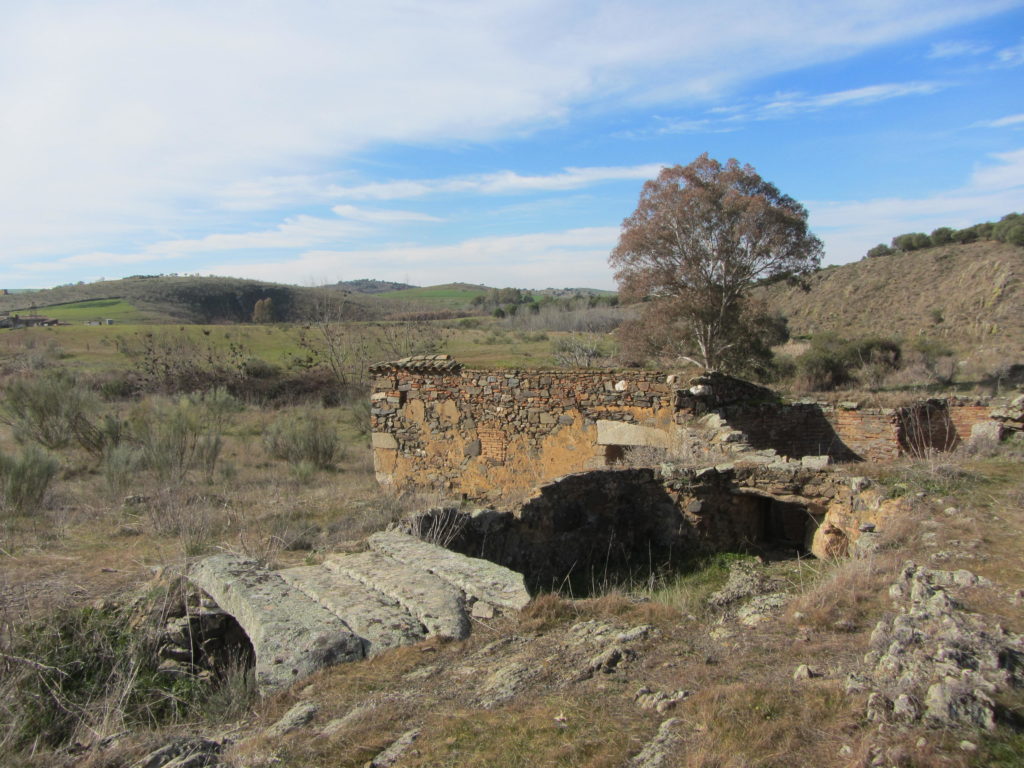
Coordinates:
[380,622]
[292,635]
[479,579]
[622,433]
[436,603]
[384,441]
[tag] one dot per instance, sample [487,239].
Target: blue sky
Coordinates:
[500,142]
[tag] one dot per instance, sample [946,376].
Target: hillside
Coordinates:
[367,285]
[969,296]
[172,298]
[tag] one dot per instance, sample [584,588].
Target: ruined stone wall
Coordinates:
[871,434]
[479,433]
[965,415]
[484,434]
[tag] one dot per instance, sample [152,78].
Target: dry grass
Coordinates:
[745,710]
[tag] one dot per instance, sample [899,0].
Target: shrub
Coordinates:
[120,464]
[578,351]
[257,368]
[967,235]
[176,437]
[81,671]
[304,436]
[1010,229]
[45,408]
[24,480]
[833,361]
[942,236]
[879,250]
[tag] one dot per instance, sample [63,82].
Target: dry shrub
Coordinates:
[304,438]
[263,538]
[847,594]
[547,611]
[25,479]
[196,521]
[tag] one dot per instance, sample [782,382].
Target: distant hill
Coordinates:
[167,298]
[367,285]
[969,296]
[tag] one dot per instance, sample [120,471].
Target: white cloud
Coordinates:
[537,260]
[1012,56]
[724,119]
[869,94]
[500,183]
[1004,122]
[381,216]
[134,118]
[955,48]
[850,228]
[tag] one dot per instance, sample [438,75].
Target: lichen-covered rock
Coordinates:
[935,661]
[659,750]
[292,636]
[478,579]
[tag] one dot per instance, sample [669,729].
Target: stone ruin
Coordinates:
[352,606]
[564,433]
[488,434]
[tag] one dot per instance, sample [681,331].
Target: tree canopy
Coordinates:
[700,236]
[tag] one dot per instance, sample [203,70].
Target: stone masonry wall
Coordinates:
[485,434]
[480,433]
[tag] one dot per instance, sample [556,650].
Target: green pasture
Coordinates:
[452,296]
[118,310]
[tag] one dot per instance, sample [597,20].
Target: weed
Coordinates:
[176,437]
[45,408]
[688,590]
[25,479]
[82,674]
[304,437]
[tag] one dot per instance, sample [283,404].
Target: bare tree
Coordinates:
[701,235]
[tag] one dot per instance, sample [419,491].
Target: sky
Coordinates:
[499,142]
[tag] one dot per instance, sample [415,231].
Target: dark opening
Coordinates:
[589,531]
[614,454]
[781,528]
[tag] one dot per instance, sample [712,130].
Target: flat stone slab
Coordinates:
[479,579]
[292,635]
[380,622]
[435,602]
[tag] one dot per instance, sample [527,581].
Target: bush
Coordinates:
[304,436]
[25,479]
[120,464]
[44,409]
[77,673]
[578,351]
[879,250]
[833,361]
[942,236]
[257,368]
[174,438]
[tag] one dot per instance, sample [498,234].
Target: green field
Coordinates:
[451,296]
[118,310]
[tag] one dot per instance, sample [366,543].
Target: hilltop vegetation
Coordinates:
[969,297]
[1009,230]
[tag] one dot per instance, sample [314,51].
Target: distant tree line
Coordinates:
[1009,229]
[510,302]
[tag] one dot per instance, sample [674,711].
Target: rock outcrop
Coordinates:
[936,662]
[352,606]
